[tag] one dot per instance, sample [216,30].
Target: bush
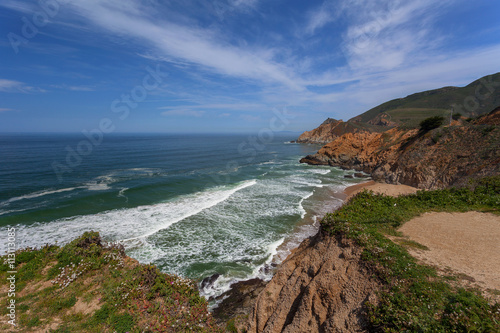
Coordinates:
[431,123]
[456,116]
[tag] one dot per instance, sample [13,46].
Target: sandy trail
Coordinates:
[467,243]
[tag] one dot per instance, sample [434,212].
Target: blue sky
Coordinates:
[228,65]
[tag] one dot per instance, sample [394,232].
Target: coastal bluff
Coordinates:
[321,287]
[330,130]
[445,156]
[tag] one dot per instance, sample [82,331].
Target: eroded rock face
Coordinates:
[321,287]
[328,131]
[437,159]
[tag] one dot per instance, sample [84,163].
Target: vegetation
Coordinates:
[456,116]
[415,298]
[433,102]
[90,286]
[431,123]
[411,118]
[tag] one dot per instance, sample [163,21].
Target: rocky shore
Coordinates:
[321,287]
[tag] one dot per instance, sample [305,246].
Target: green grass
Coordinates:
[411,117]
[126,296]
[442,98]
[415,298]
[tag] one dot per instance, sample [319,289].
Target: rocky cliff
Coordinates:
[436,159]
[322,287]
[331,129]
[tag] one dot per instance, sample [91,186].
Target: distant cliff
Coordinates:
[331,129]
[436,159]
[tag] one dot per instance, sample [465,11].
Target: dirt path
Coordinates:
[465,243]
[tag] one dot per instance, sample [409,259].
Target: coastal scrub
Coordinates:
[415,298]
[91,286]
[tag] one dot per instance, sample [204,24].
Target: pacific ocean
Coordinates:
[193,204]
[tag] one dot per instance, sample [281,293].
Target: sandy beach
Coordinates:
[380,188]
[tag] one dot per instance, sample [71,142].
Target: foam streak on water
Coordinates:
[125,225]
[191,205]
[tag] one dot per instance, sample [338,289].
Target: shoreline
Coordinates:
[351,191]
[242,295]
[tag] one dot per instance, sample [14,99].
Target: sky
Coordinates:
[230,65]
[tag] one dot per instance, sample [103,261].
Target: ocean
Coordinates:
[194,205]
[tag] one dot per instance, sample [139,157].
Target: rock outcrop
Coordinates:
[436,159]
[329,130]
[321,287]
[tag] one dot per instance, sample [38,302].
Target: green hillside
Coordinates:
[477,98]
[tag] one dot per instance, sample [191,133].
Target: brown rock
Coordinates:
[329,131]
[321,287]
[239,301]
[437,159]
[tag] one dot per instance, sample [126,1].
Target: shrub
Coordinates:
[456,116]
[431,123]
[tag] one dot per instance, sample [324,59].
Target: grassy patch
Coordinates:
[415,298]
[125,296]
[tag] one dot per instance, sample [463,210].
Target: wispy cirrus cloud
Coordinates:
[198,47]
[229,106]
[336,56]
[183,112]
[386,34]
[319,17]
[5,109]
[199,110]
[12,86]
[72,87]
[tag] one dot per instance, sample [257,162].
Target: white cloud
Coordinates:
[387,35]
[182,112]
[233,106]
[5,109]
[388,49]
[250,118]
[199,47]
[72,88]
[10,85]
[320,17]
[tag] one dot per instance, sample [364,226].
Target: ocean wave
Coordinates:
[126,225]
[320,171]
[223,283]
[36,195]
[301,208]
[104,182]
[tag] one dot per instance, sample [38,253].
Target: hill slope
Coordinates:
[331,129]
[477,98]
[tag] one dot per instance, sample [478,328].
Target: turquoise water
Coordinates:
[194,205]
